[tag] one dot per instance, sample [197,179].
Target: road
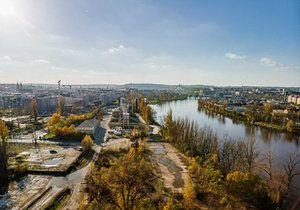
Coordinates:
[155,128]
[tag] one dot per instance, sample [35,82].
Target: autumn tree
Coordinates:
[145,110]
[243,184]
[290,126]
[3,157]
[55,119]
[98,113]
[251,113]
[87,143]
[34,109]
[267,112]
[61,106]
[189,196]
[169,125]
[125,184]
[206,177]
[74,108]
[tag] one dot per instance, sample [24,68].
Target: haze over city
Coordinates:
[169,42]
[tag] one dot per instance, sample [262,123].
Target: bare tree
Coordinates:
[229,153]
[267,166]
[251,153]
[292,168]
[276,181]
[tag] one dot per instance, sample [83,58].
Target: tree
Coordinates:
[98,113]
[276,182]
[169,125]
[55,120]
[292,169]
[34,109]
[251,153]
[125,184]
[189,196]
[251,113]
[267,112]
[243,184]
[290,126]
[87,143]
[74,108]
[207,178]
[3,157]
[61,106]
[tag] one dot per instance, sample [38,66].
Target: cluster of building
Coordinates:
[239,96]
[21,96]
[295,99]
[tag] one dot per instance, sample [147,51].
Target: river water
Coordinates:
[281,144]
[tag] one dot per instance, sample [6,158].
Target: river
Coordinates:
[281,144]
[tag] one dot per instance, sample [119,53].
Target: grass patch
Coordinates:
[49,136]
[59,200]
[14,149]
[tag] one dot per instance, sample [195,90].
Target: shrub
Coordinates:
[87,143]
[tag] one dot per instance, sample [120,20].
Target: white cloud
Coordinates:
[234,56]
[268,62]
[6,57]
[42,61]
[272,63]
[114,50]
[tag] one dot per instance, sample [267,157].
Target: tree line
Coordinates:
[255,114]
[145,110]
[64,127]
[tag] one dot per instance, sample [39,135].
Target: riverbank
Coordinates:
[248,119]
[160,101]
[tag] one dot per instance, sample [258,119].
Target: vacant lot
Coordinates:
[171,164]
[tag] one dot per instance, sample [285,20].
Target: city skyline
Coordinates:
[169,42]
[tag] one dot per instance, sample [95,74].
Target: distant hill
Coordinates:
[149,86]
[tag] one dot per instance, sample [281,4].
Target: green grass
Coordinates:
[49,136]
[60,200]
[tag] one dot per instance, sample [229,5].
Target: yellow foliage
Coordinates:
[189,196]
[87,143]
[3,131]
[238,176]
[56,118]
[243,184]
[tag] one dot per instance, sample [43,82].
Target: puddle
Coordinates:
[170,164]
[4,201]
[21,184]
[52,163]
[159,150]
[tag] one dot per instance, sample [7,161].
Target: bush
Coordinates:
[243,184]
[87,143]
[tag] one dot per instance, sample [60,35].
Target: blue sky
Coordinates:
[171,42]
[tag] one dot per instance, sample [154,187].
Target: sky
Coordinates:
[212,42]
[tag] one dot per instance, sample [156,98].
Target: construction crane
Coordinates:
[58,84]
